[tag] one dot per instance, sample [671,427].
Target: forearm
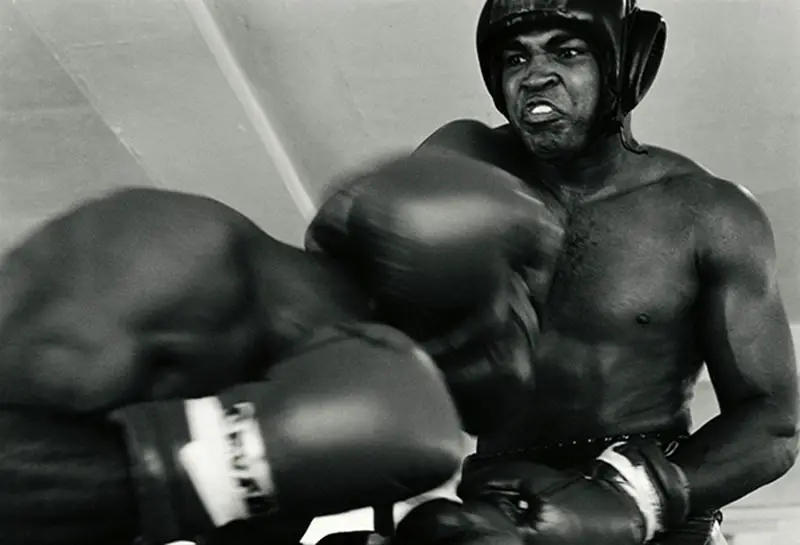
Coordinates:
[738,452]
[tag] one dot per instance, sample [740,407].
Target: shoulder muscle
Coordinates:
[733,232]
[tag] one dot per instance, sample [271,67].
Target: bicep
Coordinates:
[748,347]
[747,342]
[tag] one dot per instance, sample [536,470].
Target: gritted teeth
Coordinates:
[540,108]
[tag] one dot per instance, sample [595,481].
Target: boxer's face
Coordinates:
[551,83]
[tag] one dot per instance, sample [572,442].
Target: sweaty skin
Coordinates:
[664,269]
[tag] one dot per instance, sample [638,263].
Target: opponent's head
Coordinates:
[591,60]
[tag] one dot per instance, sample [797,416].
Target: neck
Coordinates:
[592,170]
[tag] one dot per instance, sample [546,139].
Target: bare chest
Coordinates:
[625,263]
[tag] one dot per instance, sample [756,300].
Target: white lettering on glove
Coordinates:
[226,459]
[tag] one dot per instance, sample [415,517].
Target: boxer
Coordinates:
[169,371]
[663,268]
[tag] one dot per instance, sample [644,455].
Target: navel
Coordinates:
[643,319]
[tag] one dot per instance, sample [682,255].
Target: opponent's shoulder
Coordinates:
[460,127]
[499,146]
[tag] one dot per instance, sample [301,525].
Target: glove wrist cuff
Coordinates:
[658,487]
[195,465]
[152,473]
[226,460]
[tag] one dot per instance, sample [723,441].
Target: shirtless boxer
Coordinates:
[663,268]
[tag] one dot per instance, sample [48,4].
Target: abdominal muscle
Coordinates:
[589,389]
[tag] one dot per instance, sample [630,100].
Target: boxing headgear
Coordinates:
[630,42]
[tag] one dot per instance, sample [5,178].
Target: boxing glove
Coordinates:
[498,146]
[443,521]
[631,495]
[450,249]
[360,416]
[149,294]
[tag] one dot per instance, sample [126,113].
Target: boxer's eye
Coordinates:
[513,59]
[569,52]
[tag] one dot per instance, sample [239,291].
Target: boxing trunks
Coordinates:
[699,528]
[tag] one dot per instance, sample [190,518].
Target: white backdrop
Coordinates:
[262,103]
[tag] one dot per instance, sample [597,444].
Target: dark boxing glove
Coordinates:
[361,416]
[443,521]
[632,494]
[452,250]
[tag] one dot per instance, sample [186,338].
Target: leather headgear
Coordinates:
[630,42]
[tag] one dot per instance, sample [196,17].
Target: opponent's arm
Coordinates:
[749,355]
[357,416]
[298,440]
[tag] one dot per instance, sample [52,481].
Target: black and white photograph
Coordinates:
[399,272]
